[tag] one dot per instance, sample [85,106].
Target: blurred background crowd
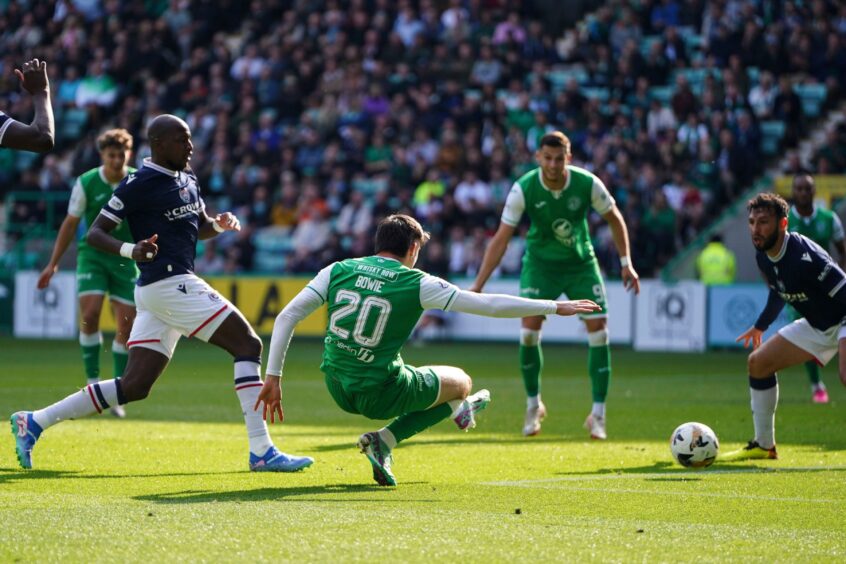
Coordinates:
[312,119]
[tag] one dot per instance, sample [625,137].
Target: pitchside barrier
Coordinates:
[685,316]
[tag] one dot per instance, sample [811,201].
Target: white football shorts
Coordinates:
[822,344]
[176,306]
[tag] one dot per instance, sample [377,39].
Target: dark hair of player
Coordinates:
[555,139]
[769,201]
[396,233]
[118,138]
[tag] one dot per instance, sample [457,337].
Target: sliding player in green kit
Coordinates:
[99,273]
[374,303]
[559,259]
[824,228]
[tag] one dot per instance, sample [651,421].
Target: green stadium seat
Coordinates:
[72,124]
[601,94]
[812,96]
[647,42]
[772,132]
[662,93]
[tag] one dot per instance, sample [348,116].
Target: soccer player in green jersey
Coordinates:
[374,303]
[99,273]
[824,228]
[559,258]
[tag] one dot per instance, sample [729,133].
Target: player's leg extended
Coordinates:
[531,367]
[819,394]
[142,370]
[763,363]
[424,396]
[235,335]
[124,315]
[599,369]
[90,337]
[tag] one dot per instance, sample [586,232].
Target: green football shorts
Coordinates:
[99,273]
[413,389]
[545,283]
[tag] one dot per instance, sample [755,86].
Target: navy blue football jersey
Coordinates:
[155,200]
[5,122]
[806,277]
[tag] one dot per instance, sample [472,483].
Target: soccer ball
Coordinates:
[694,445]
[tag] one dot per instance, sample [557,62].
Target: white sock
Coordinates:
[90,339]
[533,402]
[456,406]
[93,398]
[247,386]
[764,403]
[387,437]
[598,409]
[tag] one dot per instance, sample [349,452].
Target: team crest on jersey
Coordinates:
[563,231]
[115,203]
[184,194]
[573,204]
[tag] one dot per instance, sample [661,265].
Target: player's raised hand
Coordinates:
[146,249]
[751,336]
[227,221]
[271,396]
[33,76]
[577,306]
[631,281]
[45,276]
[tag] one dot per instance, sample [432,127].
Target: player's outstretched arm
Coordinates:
[38,136]
[303,304]
[99,237]
[620,233]
[502,305]
[63,240]
[493,255]
[214,226]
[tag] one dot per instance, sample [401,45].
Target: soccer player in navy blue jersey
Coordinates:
[37,136]
[801,273]
[166,215]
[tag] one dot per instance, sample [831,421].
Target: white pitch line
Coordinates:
[685,494]
[682,474]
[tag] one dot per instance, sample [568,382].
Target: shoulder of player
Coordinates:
[531,176]
[86,177]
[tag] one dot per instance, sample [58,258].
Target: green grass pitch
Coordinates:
[170,483]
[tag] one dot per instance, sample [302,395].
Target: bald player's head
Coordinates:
[804,192]
[170,142]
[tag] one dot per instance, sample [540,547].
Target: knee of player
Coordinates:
[252,345]
[530,337]
[89,322]
[755,365]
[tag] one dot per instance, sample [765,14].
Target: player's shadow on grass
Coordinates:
[18,474]
[279,494]
[469,439]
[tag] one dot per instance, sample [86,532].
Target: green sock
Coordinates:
[410,424]
[599,368]
[119,357]
[813,370]
[531,365]
[90,345]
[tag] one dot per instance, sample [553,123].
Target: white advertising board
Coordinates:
[48,313]
[670,317]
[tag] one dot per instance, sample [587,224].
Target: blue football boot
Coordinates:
[276,461]
[26,431]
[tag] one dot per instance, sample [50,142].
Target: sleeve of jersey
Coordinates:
[5,122]
[78,201]
[120,204]
[837,231]
[501,305]
[601,199]
[774,306]
[437,293]
[515,204]
[304,304]
[830,278]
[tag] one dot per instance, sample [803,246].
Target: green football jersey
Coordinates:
[89,195]
[823,226]
[374,304]
[559,233]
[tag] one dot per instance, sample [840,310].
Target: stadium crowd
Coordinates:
[313,119]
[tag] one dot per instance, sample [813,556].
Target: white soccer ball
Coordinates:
[694,445]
